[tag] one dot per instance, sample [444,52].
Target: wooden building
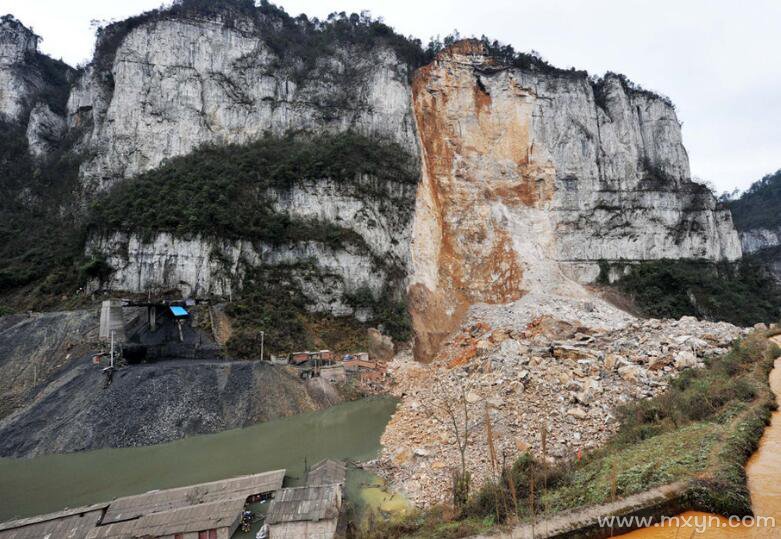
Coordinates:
[305,512]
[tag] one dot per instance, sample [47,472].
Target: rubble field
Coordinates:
[541,363]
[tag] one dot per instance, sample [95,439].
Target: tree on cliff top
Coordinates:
[758,206]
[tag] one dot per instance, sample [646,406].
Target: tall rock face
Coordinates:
[202,266]
[529,179]
[758,221]
[176,83]
[172,83]
[33,87]
[17,44]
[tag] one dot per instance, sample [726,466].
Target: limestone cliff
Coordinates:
[175,83]
[17,43]
[758,220]
[529,176]
[33,87]
[529,179]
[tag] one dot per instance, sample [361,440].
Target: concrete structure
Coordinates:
[112,319]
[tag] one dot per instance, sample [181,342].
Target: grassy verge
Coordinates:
[700,431]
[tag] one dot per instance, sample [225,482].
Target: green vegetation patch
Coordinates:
[758,206]
[271,301]
[742,293]
[224,191]
[40,241]
[700,431]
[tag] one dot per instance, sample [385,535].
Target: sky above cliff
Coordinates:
[718,60]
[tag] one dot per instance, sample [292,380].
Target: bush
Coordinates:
[758,206]
[742,293]
[40,237]
[224,191]
[270,302]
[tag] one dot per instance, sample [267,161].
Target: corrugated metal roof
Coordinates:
[326,472]
[74,523]
[166,500]
[208,516]
[305,503]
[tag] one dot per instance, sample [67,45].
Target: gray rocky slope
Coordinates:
[54,399]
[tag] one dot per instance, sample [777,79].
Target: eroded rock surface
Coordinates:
[178,83]
[528,180]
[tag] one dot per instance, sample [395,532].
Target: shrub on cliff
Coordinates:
[224,191]
[40,240]
[759,206]
[295,40]
[742,293]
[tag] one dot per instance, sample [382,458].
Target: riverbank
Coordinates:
[49,483]
[700,431]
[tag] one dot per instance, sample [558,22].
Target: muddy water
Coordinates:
[43,484]
[764,482]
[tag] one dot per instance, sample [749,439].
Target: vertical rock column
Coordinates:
[479,165]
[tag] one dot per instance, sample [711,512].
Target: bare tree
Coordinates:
[451,409]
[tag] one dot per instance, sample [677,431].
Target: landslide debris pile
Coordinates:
[559,365]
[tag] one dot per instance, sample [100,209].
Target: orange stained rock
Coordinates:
[478,156]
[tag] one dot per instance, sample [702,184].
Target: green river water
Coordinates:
[350,430]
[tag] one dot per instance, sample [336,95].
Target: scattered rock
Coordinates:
[538,374]
[472,397]
[685,359]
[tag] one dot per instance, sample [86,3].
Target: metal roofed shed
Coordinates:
[326,472]
[212,510]
[305,512]
[166,500]
[220,519]
[76,522]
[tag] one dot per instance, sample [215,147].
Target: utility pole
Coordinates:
[262,338]
[112,350]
